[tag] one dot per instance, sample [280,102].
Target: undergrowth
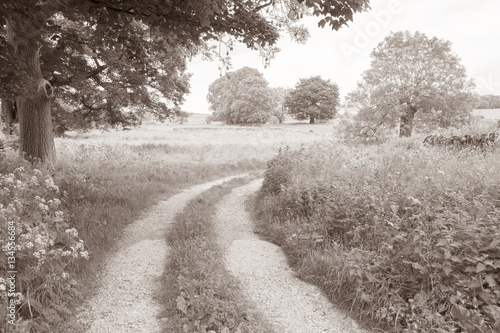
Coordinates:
[94,192]
[198,293]
[406,237]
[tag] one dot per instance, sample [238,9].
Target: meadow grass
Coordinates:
[404,236]
[106,179]
[198,293]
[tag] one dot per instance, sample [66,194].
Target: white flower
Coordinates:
[73,232]
[43,207]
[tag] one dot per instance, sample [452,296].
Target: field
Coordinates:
[405,236]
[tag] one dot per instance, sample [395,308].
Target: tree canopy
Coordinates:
[102,58]
[489,102]
[241,97]
[413,80]
[313,98]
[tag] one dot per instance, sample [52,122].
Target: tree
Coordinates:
[412,80]
[241,97]
[103,29]
[489,102]
[279,96]
[313,98]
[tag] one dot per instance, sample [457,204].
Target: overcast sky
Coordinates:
[473,27]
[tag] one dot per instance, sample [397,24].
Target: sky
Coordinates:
[472,26]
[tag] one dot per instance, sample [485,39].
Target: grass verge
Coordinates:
[198,293]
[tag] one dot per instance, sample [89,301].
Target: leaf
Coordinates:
[491,280]
[182,304]
[474,284]
[470,321]
[480,267]
[447,270]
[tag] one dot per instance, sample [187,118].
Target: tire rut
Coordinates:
[289,304]
[125,301]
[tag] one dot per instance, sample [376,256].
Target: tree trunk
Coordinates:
[9,114]
[406,123]
[311,120]
[33,104]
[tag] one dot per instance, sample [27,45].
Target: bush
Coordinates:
[406,236]
[40,248]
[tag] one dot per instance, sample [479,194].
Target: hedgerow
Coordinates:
[407,236]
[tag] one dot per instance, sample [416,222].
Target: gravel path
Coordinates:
[125,301]
[290,304]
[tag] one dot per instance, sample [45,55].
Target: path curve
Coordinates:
[125,301]
[289,304]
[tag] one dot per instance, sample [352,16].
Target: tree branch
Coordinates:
[258,8]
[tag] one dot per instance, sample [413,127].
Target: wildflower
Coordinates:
[49,183]
[43,207]
[84,254]
[19,169]
[72,232]
[65,275]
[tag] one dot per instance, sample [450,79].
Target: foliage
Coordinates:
[313,98]
[42,244]
[114,87]
[279,96]
[413,81]
[489,102]
[241,97]
[142,51]
[200,294]
[405,236]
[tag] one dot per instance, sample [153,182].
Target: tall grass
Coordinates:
[406,236]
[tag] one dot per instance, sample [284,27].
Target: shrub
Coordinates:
[408,237]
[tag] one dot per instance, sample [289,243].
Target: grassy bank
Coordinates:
[198,293]
[406,237]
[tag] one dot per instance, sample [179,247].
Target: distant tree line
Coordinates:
[489,102]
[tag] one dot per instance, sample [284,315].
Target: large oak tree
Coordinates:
[313,98]
[84,38]
[241,97]
[413,79]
